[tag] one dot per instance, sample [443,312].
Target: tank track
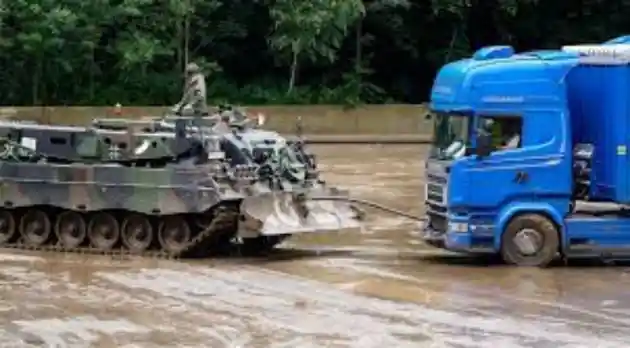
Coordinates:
[206,242]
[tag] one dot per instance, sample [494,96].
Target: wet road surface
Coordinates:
[378,288]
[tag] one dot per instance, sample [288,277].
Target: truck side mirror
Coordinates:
[484,145]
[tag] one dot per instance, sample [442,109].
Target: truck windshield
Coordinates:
[450,135]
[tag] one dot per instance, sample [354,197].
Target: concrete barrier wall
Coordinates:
[320,121]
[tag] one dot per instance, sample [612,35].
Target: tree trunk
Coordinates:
[92,68]
[358,60]
[36,80]
[359,47]
[294,69]
[187,33]
[180,39]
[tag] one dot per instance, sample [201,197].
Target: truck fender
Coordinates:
[515,208]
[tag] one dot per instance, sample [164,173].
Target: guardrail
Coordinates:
[320,123]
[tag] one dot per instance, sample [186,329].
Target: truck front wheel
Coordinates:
[530,240]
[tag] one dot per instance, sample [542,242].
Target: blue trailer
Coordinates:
[530,155]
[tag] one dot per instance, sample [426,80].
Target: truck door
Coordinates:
[511,171]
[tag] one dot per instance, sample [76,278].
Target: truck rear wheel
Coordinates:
[530,240]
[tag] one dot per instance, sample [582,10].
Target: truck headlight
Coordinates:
[458,227]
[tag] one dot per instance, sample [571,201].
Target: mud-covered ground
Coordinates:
[379,288]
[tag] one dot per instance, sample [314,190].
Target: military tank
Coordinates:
[150,188]
[286,174]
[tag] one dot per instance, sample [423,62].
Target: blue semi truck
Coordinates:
[530,155]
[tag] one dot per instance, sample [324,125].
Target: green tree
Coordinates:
[78,52]
[311,29]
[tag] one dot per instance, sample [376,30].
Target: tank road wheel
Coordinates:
[35,227]
[530,240]
[70,229]
[103,231]
[174,234]
[137,232]
[7,227]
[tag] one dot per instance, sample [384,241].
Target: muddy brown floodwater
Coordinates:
[377,288]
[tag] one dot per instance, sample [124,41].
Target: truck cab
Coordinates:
[529,151]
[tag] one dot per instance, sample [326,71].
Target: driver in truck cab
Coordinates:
[505,135]
[512,137]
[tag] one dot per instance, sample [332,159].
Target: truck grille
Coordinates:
[435,190]
[436,203]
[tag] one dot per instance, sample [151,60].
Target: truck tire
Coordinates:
[530,240]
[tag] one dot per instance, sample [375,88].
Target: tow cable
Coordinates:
[370,204]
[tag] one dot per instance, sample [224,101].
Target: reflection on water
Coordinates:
[372,289]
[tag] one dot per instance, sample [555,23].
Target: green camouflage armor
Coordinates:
[153,187]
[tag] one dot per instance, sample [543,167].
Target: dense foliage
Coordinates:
[279,51]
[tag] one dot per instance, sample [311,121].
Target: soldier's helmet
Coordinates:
[192,68]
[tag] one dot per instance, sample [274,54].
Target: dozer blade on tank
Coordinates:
[286,213]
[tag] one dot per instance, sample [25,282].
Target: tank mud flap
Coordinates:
[285,213]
